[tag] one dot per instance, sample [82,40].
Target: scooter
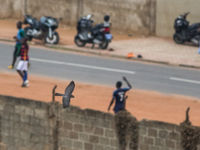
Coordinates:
[44,29]
[184,32]
[98,34]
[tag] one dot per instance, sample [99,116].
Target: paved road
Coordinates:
[107,71]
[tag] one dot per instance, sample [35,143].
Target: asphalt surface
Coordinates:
[106,71]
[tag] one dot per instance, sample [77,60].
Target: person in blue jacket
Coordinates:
[119,96]
[18,38]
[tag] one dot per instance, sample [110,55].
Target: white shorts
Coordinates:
[22,65]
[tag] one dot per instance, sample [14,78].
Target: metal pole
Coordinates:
[53,93]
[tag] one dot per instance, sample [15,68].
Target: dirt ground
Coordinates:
[142,104]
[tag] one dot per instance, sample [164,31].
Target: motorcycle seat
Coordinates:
[96,28]
[194,26]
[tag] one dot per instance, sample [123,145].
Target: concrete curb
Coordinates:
[110,55]
[123,57]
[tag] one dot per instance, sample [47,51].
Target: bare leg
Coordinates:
[14,60]
[16,54]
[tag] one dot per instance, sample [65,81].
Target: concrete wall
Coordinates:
[66,9]
[130,16]
[127,15]
[136,16]
[11,8]
[32,125]
[168,10]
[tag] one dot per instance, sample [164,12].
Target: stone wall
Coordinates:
[86,130]
[23,125]
[158,136]
[33,125]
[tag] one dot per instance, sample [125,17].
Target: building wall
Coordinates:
[11,8]
[135,16]
[167,11]
[130,16]
[65,9]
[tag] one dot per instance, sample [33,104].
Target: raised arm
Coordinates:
[127,82]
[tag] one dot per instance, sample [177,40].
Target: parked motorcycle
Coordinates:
[88,33]
[44,29]
[184,32]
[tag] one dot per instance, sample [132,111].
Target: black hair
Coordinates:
[118,84]
[106,18]
[19,24]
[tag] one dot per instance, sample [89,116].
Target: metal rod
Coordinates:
[53,93]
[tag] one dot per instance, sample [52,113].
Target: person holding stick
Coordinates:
[119,96]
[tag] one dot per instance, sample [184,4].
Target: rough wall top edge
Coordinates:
[73,109]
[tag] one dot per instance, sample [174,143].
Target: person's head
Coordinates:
[19,25]
[118,84]
[106,18]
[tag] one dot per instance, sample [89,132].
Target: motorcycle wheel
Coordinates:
[26,30]
[177,39]
[54,40]
[78,42]
[104,44]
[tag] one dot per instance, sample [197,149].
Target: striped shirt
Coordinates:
[24,52]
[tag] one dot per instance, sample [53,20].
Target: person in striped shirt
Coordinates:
[22,67]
